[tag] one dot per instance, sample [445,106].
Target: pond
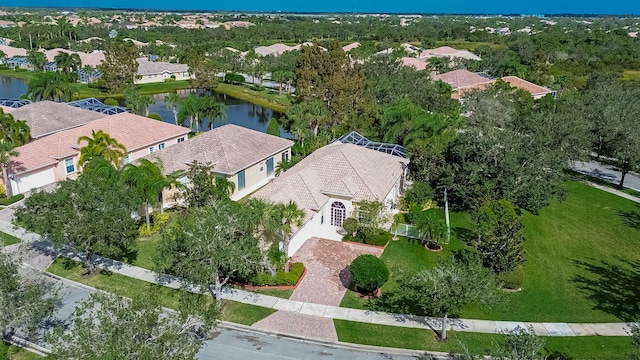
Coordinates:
[238,112]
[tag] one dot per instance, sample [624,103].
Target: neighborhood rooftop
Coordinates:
[336,169]
[47,117]
[133,131]
[146,67]
[229,148]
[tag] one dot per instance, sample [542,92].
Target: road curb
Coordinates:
[334,344]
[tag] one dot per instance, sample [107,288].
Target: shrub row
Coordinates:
[8,201]
[157,220]
[281,277]
[375,237]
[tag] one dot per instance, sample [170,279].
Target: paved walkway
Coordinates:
[325,283]
[333,312]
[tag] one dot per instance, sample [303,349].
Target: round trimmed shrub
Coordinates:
[368,273]
[350,225]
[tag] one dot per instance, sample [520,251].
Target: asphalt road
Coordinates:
[234,344]
[607,173]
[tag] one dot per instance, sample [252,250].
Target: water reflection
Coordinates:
[239,112]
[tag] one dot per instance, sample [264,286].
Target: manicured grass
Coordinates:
[125,286]
[6,239]
[411,256]
[265,98]
[12,352]
[587,348]
[24,75]
[582,262]
[244,314]
[284,294]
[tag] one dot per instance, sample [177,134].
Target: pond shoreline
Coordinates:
[278,103]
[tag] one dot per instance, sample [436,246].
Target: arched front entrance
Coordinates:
[338,213]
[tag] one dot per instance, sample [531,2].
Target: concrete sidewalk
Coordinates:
[327,311]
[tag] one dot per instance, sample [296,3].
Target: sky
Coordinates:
[614,7]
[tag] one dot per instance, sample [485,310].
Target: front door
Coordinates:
[269,166]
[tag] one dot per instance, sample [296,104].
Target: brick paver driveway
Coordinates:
[326,262]
[325,283]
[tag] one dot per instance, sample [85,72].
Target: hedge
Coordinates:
[11,200]
[375,237]
[281,278]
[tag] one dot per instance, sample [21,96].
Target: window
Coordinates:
[241,180]
[127,158]
[151,150]
[261,168]
[70,166]
[180,140]
[160,146]
[270,166]
[338,211]
[285,156]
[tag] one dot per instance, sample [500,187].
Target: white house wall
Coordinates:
[25,183]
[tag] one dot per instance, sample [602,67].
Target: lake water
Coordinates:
[239,112]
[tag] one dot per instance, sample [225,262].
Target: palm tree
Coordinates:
[7,152]
[68,63]
[14,131]
[101,144]
[49,86]
[149,181]
[197,109]
[137,102]
[291,215]
[173,100]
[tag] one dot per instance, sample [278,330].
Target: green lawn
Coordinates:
[629,75]
[12,352]
[266,98]
[122,285]
[284,294]
[6,239]
[587,348]
[582,262]
[409,255]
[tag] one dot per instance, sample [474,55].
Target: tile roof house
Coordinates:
[330,182]
[48,117]
[464,80]
[350,47]
[55,157]
[158,71]
[536,91]
[446,51]
[414,63]
[248,158]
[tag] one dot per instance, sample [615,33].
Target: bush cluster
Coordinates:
[368,273]
[375,237]
[157,220]
[281,277]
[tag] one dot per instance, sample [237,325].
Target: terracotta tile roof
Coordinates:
[350,47]
[446,51]
[413,62]
[146,67]
[47,117]
[535,90]
[230,148]
[11,51]
[133,131]
[462,79]
[91,59]
[339,169]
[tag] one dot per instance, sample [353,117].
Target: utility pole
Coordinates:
[446,215]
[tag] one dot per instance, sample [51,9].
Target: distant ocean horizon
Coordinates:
[464,7]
